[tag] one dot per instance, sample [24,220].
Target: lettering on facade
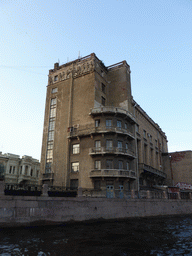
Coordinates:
[76,71]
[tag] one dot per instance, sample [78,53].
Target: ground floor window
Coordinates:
[74,183]
[97,184]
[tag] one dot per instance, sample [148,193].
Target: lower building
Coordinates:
[16,170]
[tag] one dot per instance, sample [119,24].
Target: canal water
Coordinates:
[144,236]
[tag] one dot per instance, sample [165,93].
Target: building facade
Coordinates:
[16,170]
[91,135]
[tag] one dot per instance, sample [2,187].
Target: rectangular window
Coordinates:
[21,170]
[109,144]
[75,167]
[54,90]
[144,134]
[52,112]
[76,148]
[51,136]
[137,128]
[126,126]
[53,101]
[97,184]
[10,169]
[119,124]
[109,164]
[103,87]
[102,100]
[120,145]
[13,169]
[51,125]
[97,122]
[74,183]
[31,172]
[120,164]
[98,164]
[55,78]
[108,123]
[97,144]
[127,166]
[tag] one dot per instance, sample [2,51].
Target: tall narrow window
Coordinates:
[76,148]
[102,100]
[108,123]
[109,144]
[51,132]
[103,87]
[120,164]
[109,164]
[97,145]
[98,164]
[120,146]
[119,124]
[97,122]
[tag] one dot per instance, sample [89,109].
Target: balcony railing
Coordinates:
[48,176]
[150,169]
[113,173]
[112,110]
[111,150]
[90,129]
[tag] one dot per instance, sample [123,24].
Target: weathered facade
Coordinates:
[180,165]
[93,133]
[16,170]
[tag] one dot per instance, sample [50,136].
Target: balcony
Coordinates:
[48,176]
[116,173]
[90,129]
[112,150]
[150,169]
[114,111]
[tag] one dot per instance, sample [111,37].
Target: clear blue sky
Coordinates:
[154,37]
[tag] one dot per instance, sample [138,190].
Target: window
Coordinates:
[102,100]
[144,134]
[26,170]
[55,78]
[126,147]
[76,148]
[10,169]
[120,164]
[13,169]
[97,184]
[109,164]
[109,144]
[75,167]
[103,87]
[97,122]
[120,145]
[137,128]
[37,173]
[21,170]
[97,145]
[127,166]
[31,172]
[54,90]
[108,123]
[98,164]
[119,124]
[126,126]
[150,138]
[74,183]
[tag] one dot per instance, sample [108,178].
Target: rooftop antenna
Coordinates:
[67,59]
[79,55]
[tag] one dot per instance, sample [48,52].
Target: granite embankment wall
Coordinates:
[34,211]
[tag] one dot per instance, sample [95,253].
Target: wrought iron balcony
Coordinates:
[150,169]
[90,129]
[111,150]
[112,110]
[113,173]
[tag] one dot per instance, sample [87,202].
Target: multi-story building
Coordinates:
[16,170]
[91,129]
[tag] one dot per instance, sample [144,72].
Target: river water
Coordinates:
[144,236]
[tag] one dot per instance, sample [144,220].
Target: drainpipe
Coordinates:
[137,164]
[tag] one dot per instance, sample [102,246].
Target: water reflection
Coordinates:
[148,236]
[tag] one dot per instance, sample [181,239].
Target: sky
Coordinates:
[154,37]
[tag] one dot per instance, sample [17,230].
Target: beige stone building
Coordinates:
[16,170]
[180,165]
[95,135]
